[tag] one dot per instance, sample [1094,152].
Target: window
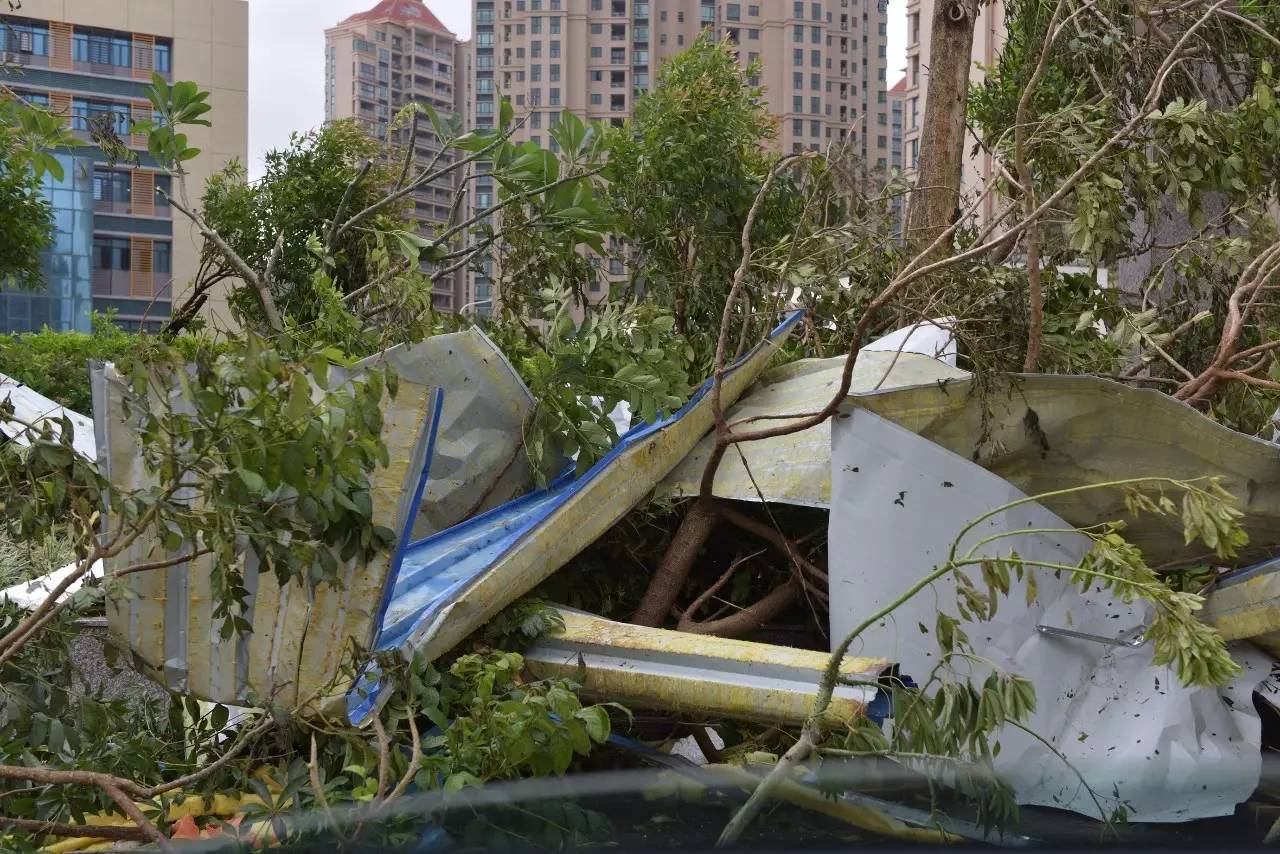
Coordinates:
[680,38]
[535,97]
[484,39]
[597,52]
[24,38]
[555,72]
[815,105]
[535,24]
[597,29]
[797,9]
[881,48]
[553,96]
[484,85]
[162,257]
[816,12]
[535,121]
[882,119]
[815,58]
[732,12]
[535,73]
[815,35]
[618,32]
[597,75]
[815,127]
[535,49]
[640,57]
[109,186]
[618,55]
[815,82]
[753,11]
[111,253]
[662,16]
[163,59]
[597,5]
[797,104]
[797,33]
[881,141]
[680,17]
[595,99]
[753,35]
[797,57]
[797,80]
[797,126]
[555,25]
[555,49]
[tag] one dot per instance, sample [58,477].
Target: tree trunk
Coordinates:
[935,201]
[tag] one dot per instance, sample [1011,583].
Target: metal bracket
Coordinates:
[1132,638]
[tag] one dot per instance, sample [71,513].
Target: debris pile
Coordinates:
[919,464]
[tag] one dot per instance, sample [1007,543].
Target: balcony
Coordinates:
[128,283]
[160,209]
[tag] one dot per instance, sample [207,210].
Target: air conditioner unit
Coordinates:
[24,42]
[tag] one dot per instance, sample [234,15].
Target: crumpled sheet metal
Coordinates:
[796,468]
[296,649]
[1047,432]
[453,582]
[1129,728]
[477,463]
[32,407]
[678,672]
[1246,604]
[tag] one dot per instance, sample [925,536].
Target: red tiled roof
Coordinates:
[406,12]
[900,86]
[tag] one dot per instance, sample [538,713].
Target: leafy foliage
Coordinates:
[56,364]
[299,191]
[27,136]
[683,173]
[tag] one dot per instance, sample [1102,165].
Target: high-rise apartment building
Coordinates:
[117,244]
[378,61]
[988,38]
[823,61]
[822,65]
[897,106]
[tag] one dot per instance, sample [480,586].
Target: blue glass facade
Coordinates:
[67,299]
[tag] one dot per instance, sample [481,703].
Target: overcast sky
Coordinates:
[286,60]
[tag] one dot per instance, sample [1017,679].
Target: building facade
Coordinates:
[822,66]
[117,245]
[823,63]
[988,39]
[896,107]
[378,61]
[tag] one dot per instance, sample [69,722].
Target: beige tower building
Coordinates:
[988,39]
[378,61]
[822,65]
[117,244]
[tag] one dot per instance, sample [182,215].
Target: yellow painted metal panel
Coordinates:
[796,469]
[697,675]
[586,515]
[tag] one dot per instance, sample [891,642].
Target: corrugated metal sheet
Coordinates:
[1047,432]
[295,651]
[796,469]
[678,672]
[477,462]
[32,407]
[452,583]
